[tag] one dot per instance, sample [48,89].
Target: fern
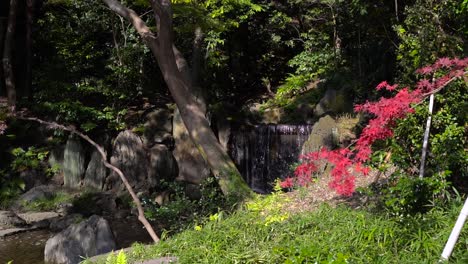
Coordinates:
[121,258]
[111,258]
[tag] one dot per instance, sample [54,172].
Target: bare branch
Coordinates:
[100,149]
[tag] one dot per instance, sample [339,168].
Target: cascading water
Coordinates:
[264,153]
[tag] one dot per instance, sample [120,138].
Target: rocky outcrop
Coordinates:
[330,133]
[324,134]
[73,165]
[96,172]
[192,166]
[85,239]
[144,167]
[333,101]
[128,154]
[158,128]
[162,165]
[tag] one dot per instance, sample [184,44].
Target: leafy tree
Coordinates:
[174,70]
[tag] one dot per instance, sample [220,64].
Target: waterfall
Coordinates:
[264,153]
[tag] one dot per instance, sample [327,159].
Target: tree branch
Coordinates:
[136,200]
[443,85]
[141,27]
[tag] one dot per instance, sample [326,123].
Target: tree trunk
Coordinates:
[175,71]
[8,55]
[28,56]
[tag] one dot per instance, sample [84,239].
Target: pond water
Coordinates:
[28,247]
[24,248]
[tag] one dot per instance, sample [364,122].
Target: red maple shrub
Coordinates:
[347,162]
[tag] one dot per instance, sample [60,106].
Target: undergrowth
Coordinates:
[327,235]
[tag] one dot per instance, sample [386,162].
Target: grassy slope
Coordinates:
[263,233]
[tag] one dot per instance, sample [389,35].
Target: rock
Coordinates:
[14,231]
[324,134]
[56,160]
[73,163]
[60,223]
[95,173]
[36,193]
[86,239]
[96,203]
[158,127]
[333,101]
[9,219]
[162,165]
[129,155]
[64,208]
[192,166]
[32,178]
[39,219]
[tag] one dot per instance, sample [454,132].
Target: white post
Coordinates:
[455,232]
[426,137]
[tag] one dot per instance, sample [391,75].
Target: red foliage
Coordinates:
[385,113]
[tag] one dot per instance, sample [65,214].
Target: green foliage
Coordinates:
[120,258]
[89,68]
[328,235]
[447,158]
[181,210]
[10,187]
[431,29]
[28,159]
[407,195]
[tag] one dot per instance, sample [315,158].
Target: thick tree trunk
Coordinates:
[8,55]
[174,69]
[28,56]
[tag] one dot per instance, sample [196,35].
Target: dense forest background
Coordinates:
[144,108]
[77,63]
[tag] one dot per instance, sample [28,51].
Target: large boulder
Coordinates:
[86,239]
[330,133]
[158,128]
[324,135]
[129,155]
[95,172]
[42,192]
[56,161]
[333,101]
[73,163]
[32,178]
[162,165]
[192,166]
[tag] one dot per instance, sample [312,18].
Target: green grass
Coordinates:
[327,235]
[48,204]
